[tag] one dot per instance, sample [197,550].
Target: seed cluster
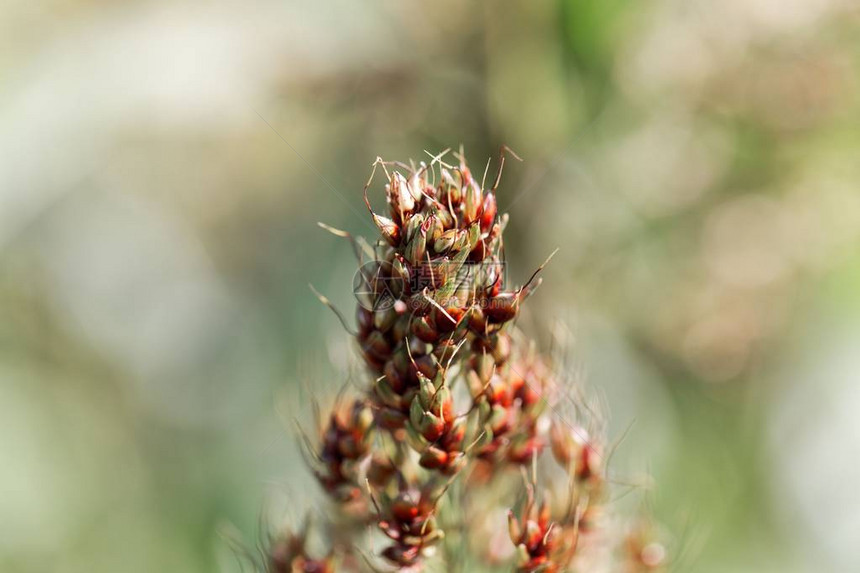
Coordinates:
[454,388]
[510,399]
[407,518]
[345,441]
[542,544]
[435,281]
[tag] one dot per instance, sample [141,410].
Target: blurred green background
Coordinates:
[163,166]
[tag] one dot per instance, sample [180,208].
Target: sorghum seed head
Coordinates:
[434,308]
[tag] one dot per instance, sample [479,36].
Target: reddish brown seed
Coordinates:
[374,363]
[479,252]
[444,350]
[458,432]
[432,428]
[383,320]
[503,307]
[364,320]
[387,395]
[446,322]
[588,464]
[484,366]
[533,535]
[401,327]
[477,320]
[421,328]
[376,345]
[488,211]
[402,362]
[394,378]
[433,458]
[427,365]
[388,229]
[403,508]
[472,203]
[497,286]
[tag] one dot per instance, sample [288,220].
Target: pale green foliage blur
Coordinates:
[695,161]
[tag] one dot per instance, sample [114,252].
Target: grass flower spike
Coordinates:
[459,407]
